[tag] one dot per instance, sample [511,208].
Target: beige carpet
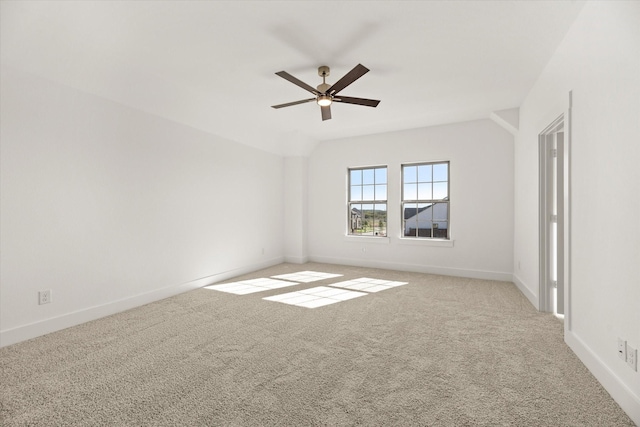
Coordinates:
[440,351]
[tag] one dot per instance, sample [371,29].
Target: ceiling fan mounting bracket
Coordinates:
[324,71]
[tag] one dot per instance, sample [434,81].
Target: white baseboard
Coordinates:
[623,395]
[526,292]
[43,327]
[296,259]
[415,268]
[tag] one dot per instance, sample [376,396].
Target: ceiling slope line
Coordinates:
[508,119]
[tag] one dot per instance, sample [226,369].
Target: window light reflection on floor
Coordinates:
[315,297]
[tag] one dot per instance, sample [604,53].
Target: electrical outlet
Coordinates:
[632,358]
[44,297]
[622,349]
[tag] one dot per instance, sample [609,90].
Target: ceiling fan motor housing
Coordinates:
[322,88]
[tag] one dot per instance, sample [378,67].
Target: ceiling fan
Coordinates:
[326,94]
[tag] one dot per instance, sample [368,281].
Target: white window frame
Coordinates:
[372,201]
[426,201]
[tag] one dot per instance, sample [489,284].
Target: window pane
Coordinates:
[356,193]
[424,191]
[441,229]
[440,172]
[423,219]
[368,192]
[424,173]
[440,190]
[356,177]
[410,173]
[367,176]
[441,211]
[380,219]
[409,211]
[425,214]
[408,231]
[381,175]
[355,220]
[367,219]
[410,192]
[381,192]
[424,229]
[440,224]
[424,224]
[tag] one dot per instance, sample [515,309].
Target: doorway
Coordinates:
[553,218]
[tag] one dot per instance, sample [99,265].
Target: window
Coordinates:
[368,201]
[425,200]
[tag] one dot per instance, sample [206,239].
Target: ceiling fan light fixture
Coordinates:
[324,100]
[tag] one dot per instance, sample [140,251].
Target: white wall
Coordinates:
[481,191]
[296,171]
[110,207]
[599,61]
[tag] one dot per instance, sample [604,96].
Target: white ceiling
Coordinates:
[211,64]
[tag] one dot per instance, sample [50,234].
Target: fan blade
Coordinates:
[353,75]
[326,112]
[297,82]
[357,101]
[289,104]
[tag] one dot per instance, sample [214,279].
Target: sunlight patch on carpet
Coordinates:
[315,297]
[367,284]
[245,287]
[306,276]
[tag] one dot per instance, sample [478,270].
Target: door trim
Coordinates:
[546,144]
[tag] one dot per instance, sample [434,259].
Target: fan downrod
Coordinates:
[323,72]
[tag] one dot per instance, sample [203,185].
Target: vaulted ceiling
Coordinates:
[211,64]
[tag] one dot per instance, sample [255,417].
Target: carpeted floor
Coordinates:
[439,351]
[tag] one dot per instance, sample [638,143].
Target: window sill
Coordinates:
[366,239]
[443,243]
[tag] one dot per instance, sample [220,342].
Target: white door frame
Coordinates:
[554,199]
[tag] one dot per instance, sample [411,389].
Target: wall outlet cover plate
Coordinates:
[622,349]
[632,358]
